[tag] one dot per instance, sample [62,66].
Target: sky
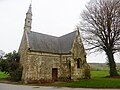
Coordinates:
[52,17]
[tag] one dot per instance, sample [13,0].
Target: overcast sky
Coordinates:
[53,17]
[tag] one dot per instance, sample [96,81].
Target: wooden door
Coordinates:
[54,74]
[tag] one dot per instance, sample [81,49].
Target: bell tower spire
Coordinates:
[28,19]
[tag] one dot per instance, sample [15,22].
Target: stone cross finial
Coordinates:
[29,10]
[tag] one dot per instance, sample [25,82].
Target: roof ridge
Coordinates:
[68,33]
[53,35]
[43,34]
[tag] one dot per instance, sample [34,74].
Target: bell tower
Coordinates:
[28,19]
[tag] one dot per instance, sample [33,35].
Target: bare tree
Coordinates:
[100,28]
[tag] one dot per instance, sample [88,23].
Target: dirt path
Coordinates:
[24,87]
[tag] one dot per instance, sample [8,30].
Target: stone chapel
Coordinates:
[50,58]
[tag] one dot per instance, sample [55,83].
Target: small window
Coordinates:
[84,56]
[78,63]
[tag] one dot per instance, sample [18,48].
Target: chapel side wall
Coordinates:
[41,64]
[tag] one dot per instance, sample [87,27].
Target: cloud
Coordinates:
[2,0]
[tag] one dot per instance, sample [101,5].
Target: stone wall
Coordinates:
[39,66]
[78,53]
[65,67]
[23,49]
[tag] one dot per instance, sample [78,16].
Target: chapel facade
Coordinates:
[50,58]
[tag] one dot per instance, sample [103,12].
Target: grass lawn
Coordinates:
[98,80]
[3,75]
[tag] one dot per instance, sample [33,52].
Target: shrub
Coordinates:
[10,65]
[16,74]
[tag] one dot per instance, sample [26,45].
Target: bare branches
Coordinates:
[101,25]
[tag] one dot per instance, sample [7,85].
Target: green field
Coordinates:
[97,80]
[99,74]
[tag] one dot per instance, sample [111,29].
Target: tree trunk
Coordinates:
[112,64]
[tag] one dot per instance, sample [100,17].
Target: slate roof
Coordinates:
[47,43]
